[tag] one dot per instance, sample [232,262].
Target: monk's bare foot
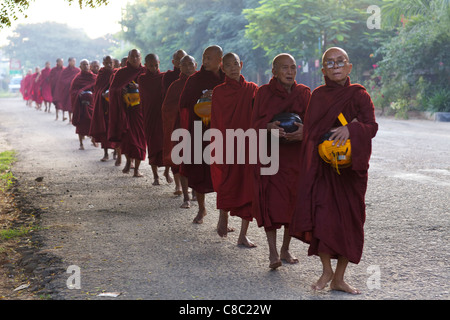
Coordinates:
[156,182]
[137,174]
[343,286]
[104,159]
[288,257]
[275,264]
[64,119]
[118,162]
[126,169]
[81,148]
[244,241]
[186,205]
[178,192]
[168,177]
[200,215]
[222,224]
[323,281]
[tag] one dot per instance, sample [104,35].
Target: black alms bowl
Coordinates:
[287,121]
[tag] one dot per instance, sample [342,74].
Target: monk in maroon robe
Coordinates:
[45,85]
[99,123]
[54,76]
[172,75]
[126,124]
[151,93]
[170,112]
[274,195]
[62,89]
[330,212]
[82,100]
[232,104]
[200,85]
[36,88]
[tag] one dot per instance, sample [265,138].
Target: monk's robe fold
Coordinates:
[100,117]
[168,78]
[330,211]
[170,112]
[62,89]
[82,113]
[199,175]
[232,104]
[46,89]
[274,195]
[126,124]
[150,91]
[36,88]
[54,76]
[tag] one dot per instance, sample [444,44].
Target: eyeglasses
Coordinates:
[331,63]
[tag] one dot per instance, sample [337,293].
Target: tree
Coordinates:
[164,26]
[415,68]
[10,9]
[34,44]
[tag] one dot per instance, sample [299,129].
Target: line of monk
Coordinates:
[134,109]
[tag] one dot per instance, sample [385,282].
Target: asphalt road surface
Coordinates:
[121,234]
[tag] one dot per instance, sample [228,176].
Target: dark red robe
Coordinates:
[274,195]
[126,124]
[169,77]
[62,89]
[170,112]
[232,105]
[82,113]
[46,89]
[151,93]
[330,211]
[199,175]
[27,87]
[100,116]
[36,94]
[54,76]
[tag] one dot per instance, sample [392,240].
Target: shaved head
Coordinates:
[152,62]
[282,56]
[212,58]
[151,57]
[328,51]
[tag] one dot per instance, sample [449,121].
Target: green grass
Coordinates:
[6,176]
[8,234]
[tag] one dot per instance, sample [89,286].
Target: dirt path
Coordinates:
[128,236]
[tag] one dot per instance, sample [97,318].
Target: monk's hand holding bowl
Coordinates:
[273,126]
[340,136]
[207,94]
[296,135]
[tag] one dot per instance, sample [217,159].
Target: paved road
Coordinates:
[128,236]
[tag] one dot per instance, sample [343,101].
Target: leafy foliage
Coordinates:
[10,9]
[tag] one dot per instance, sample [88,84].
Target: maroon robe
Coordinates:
[169,77]
[100,117]
[62,89]
[54,76]
[36,95]
[82,112]
[232,104]
[150,91]
[274,195]
[171,119]
[46,89]
[330,211]
[126,124]
[199,175]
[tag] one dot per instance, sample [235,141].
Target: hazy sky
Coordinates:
[96,22]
